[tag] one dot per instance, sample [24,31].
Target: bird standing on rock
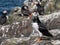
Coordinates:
[25,10]
[4,17]
[40,27]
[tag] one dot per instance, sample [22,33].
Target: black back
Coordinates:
[3,19]
[42,28]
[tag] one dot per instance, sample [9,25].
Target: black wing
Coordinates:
[43,29]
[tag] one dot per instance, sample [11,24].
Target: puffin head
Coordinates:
[4,12]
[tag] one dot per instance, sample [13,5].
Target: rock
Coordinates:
[15,11]
[25,40]
[55,24]
[51,21]
[51,6]
[56,42]
[55,32]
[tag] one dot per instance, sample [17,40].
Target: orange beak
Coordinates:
[30,15]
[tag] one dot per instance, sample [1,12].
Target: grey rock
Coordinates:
[51,21]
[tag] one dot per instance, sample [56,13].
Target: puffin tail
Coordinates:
[45,32]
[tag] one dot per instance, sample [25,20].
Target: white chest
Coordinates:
[36,28]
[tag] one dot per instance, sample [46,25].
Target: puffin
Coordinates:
[3,17]
[39,26]
[42,28]
[25,10]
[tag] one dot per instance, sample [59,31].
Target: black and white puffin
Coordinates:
[40,27]
[4,17]
[25,10]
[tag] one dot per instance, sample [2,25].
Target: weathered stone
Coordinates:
[52,21]
[55,24]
